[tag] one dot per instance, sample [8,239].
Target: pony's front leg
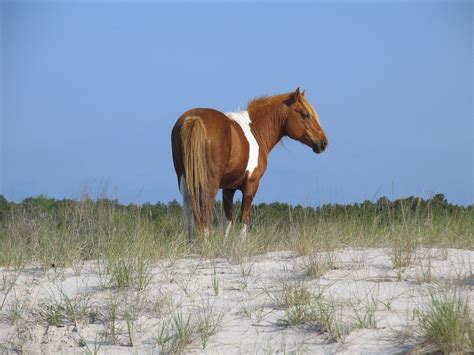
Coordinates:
[249,192]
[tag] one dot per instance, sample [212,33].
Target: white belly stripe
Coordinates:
[243,119]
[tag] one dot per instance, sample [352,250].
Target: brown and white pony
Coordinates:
[213,150]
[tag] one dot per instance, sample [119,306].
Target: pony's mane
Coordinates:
[268,115]
[266,102]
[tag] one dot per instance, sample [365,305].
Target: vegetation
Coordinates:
[447,322]
[122,260]
[62,232]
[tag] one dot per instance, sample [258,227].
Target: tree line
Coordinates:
[383,207]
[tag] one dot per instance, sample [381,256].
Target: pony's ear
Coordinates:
[294,97]
[297,94]
[302,94]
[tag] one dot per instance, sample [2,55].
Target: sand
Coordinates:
[242,298]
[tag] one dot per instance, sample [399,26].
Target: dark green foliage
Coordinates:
[383,211]
[4,207]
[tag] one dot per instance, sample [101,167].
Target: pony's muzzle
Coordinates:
[320,147]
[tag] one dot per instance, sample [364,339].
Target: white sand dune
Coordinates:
[243,296]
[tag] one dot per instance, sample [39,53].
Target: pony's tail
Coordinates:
[193,138]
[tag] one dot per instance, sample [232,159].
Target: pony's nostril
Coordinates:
[324,144]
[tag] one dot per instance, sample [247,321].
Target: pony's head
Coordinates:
[302,122]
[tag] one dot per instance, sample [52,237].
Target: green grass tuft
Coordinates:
[447,322]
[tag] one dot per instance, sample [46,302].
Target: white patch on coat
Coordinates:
[243,120]
[182,187]
[243,231]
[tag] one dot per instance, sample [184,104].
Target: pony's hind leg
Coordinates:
[212,189]
[187,209]
[228,199]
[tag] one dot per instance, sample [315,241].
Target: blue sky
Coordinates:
[90,91]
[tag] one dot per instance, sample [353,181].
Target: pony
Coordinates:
[213,150]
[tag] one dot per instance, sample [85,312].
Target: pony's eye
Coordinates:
[306,115]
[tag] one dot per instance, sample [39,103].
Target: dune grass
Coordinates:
[447,321]
[127,237]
